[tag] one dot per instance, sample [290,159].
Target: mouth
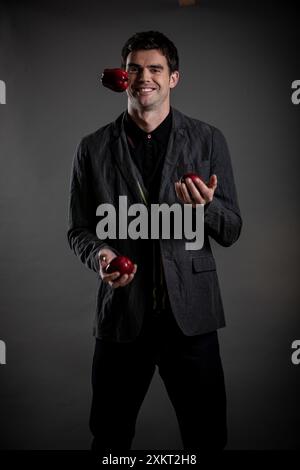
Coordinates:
[143,91]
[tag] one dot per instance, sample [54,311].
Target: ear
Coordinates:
[174,79]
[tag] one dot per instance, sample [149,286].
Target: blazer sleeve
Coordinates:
[81,233]
[222,217]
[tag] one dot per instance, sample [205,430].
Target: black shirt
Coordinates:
[148,150]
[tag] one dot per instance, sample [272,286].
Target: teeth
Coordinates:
[145,89]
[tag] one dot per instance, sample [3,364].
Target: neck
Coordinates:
[148,120]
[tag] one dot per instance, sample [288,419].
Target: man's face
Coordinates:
[149,80]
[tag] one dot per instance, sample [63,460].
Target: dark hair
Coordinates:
[152,40]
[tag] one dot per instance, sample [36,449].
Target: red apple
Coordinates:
[115,79]
[120,264]
[192,176]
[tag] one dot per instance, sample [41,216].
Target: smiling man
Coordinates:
[150,82]
[167,312]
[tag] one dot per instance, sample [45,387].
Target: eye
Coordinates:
[132,69]
[155,70]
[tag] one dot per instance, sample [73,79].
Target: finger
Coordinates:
[110,277]
[102,257]
[189,197]
[195,194]
[186,194]
[103,265]
[120,282]
[213,182]
[103,261]
[105,257]
[130,277]
[124,282]
[206,191]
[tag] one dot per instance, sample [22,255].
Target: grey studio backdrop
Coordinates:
[237,61]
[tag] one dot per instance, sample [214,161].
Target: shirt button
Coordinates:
[149,136]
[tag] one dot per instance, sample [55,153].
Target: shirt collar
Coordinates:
[160,133]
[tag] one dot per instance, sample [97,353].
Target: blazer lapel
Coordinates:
[122,158]
[123,161]
[177,142]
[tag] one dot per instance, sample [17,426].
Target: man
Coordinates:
[167,312]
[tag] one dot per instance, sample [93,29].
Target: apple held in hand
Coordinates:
[115,79]
[120,264]
[192,176]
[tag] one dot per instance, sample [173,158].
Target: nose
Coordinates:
[144,75]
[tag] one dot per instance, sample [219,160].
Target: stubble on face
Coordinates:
[149,81]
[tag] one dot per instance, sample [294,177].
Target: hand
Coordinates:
[105,256]
[197,192]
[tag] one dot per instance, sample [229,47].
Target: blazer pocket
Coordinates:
[203,264]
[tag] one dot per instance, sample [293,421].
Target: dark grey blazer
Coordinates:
[102,171]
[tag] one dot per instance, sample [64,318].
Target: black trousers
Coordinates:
[191,369]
